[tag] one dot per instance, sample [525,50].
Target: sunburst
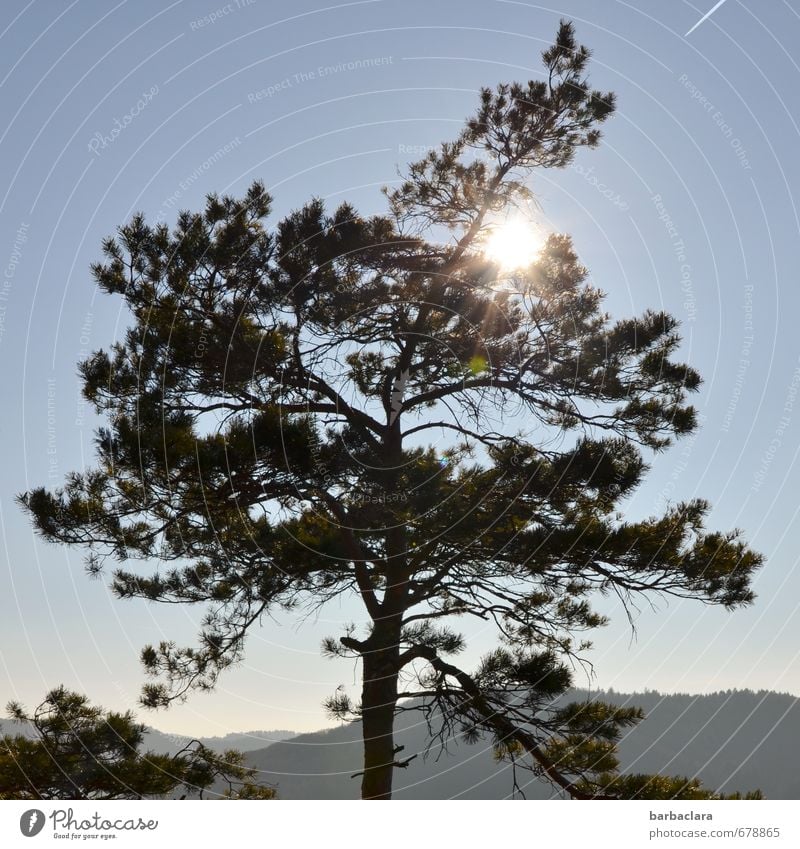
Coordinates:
[513,244]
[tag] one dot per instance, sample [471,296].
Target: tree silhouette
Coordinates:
[80,751]
[270,413]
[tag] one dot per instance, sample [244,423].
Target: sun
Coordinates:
[513,244]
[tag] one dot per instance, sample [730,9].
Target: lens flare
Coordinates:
[513,244]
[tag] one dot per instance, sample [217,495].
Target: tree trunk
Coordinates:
[378,700]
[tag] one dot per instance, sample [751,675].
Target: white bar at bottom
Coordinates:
[401,824]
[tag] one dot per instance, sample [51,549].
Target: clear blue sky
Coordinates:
[688,205]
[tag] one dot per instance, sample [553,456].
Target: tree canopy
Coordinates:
[79,751]
[345,404]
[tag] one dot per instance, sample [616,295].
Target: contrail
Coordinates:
[705,18]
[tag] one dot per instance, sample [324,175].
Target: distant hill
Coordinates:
[736,740]
[245,741]
[163,743]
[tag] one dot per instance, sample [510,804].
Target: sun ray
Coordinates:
[513,244]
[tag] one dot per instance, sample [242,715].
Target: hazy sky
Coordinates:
[688,206]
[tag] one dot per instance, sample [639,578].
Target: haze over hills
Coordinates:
[734,740]
[245,741]
[161,742]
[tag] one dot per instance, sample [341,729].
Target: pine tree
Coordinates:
[75,750]
[270,417]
